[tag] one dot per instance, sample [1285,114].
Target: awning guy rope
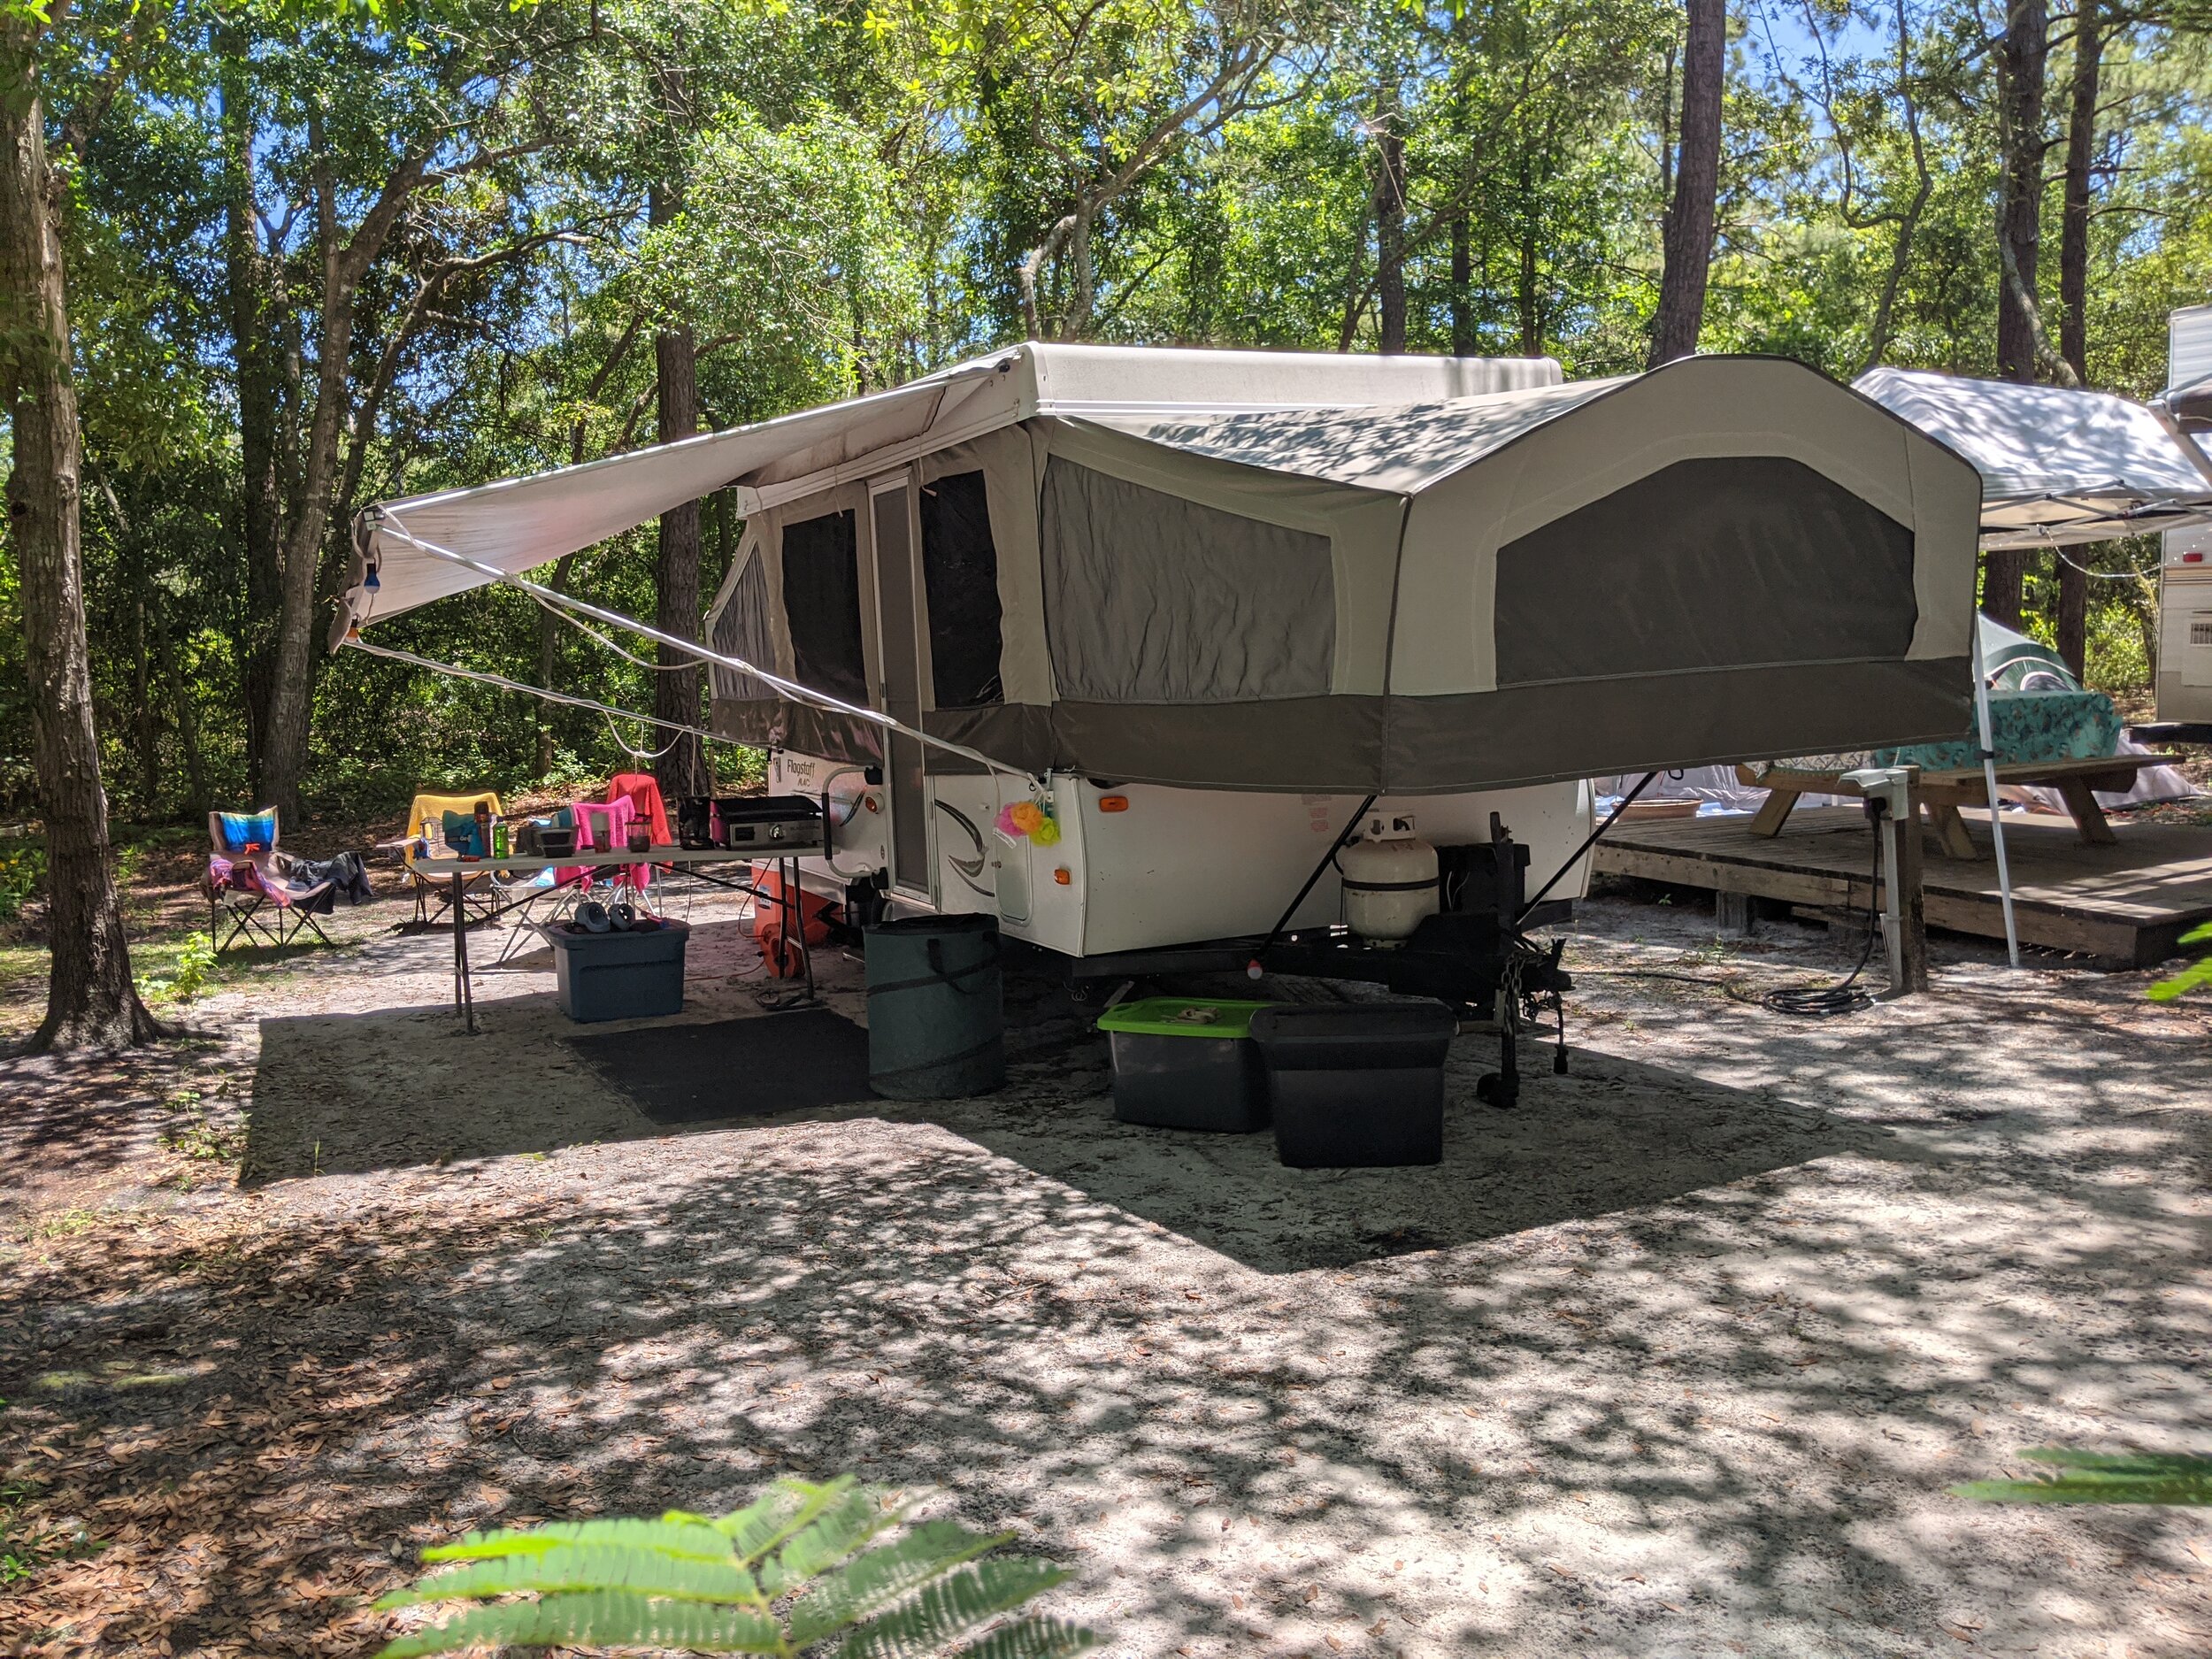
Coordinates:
[790,688]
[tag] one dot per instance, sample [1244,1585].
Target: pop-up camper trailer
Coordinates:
[1194,608]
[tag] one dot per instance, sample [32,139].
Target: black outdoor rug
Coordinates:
[734,1068]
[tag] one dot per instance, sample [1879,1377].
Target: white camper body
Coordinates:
[2185,577]
[1142,866]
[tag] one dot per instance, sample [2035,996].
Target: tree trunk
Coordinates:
[149,721]
[549,628]
[199,798]
[1463,290]
[1689,232]
[2073,289]
[2020,76]
[292,688]
[1524,285]
[682,770]
[260,382]
[1390,224]
[90,1000]
[2001,572]
[2021,55]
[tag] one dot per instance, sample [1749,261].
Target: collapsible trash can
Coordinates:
[1355,1085]
[936,1021]
[630,975]
[1186,1063]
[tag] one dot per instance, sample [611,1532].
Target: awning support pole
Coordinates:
[1996,808]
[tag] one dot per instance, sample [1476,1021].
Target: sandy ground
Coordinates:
[1677,1358]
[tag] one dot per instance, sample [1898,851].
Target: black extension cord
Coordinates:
[1830,1001]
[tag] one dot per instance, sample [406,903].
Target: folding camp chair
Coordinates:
[249,883]
[604,826]
[642,791]
[434,894]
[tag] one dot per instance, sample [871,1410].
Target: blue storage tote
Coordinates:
[630,975]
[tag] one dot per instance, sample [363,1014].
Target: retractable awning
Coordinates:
[521,523]
[2059,464]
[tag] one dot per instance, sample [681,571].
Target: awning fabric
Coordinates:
[2059,464]
[521,523]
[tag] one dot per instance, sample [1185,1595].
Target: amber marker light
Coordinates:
[1063,876]
[1113,803]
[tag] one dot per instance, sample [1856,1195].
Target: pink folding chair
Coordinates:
[604,826]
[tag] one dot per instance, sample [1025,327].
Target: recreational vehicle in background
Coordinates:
[2185,580]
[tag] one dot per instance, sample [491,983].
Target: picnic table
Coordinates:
[1944,792]
[460,870]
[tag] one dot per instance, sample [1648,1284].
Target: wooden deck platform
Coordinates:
[2127,904]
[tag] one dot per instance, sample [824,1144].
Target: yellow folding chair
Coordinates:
[434,894]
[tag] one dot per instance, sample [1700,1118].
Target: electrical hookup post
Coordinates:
[1892,803]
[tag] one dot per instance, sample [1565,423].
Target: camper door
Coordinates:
[900,666]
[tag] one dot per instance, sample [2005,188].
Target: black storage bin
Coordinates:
[1186,1063]
[1355,1085]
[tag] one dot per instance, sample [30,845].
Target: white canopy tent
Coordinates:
[2059,465]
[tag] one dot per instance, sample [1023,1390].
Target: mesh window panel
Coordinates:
[821,602]
[960,578]
[1718,562]
[1150,598]
[741,630]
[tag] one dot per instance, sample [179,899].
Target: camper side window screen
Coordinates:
[741,630]
[1152,598]
[821,602]
[1722,562]
[960,576]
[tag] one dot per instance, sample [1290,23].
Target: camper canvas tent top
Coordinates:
[1207,602]
[1728,558]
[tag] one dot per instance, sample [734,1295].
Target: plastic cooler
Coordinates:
[617,975]
[1355,1085]
[1186,1063]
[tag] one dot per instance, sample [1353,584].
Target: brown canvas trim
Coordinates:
[1486,740]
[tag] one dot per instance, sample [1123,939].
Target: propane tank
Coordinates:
[1389,879]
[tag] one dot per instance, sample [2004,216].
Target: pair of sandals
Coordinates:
[594,918]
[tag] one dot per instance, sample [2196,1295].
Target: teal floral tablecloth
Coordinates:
[2026,728]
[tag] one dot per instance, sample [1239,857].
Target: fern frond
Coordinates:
[2103,1478]
[951,1607]
[872,1582]
[815,1548]
[1031,1638]
[684,1537]
[582,1567]
[604,1618]
[787,1506]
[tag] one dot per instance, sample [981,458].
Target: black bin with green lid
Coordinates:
[1186,1063]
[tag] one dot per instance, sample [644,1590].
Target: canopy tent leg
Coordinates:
[1996,810]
